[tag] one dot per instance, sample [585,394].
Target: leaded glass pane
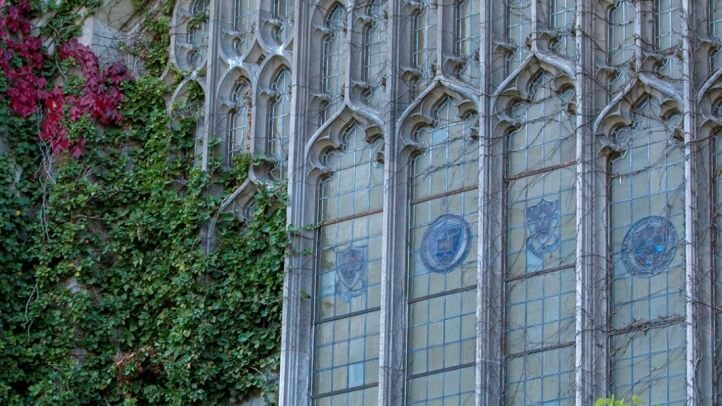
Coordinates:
[442,262]
[239,120]
[424,41]
[621,41]
[334,51]
[648,278]
[540,250]
[197,33]
[375,56]
[468,39]
[243,16]
[518,29]
[668,16]
[279,122]
[563,18]
[715,13]
[543,378]
[283,14]
[348,274]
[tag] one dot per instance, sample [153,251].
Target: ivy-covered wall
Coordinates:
[106,293]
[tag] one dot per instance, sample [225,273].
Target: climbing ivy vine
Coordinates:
[108,296]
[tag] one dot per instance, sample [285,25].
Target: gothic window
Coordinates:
[621,41]
[563,17]
[423,46]
[197,32]
[243,25]
[442,261]
[348,275]
[374,58]
[668,18]
[280,117]
[518,29]
[715,13]
[282,12]
[540,247]
[648,344]
[239,120]
[467,39]
[334,52]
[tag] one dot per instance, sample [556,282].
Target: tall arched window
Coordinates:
[197,32]
[239,120]
[243,13]
[646,216]
[518,29]
[348,275]
[423,45]
[442,261]
[668,18]
[467,39]
[563,18]
[621,41]
[374,56]
[279,120]
[283,14]
[715,29]
[540,246]
[334,58]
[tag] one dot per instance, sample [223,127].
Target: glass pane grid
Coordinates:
[542,378]
[279,121]
[239,121]
[647,185]
[283,12]
[468,38]
[453,388]
[243,18]
[346,354]
[540,311]
[621,41]
[715,11]
[518,28]
[650,364]
[375,56]
[563,19]
[442,310]
[424,40]
[334,51]
[540,235]
[348,275]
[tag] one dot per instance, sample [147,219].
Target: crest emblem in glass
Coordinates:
[351,273]
[542,224]
[445,243]
[649,246]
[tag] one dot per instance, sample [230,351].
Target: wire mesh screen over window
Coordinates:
[239,120]
[467,39]
[334,58]
[442,272]
[423,45]
[646,218]
[375,54]
[280,117]
[540,248]
[348,275]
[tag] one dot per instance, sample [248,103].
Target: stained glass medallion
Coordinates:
[350,270]
[649,246]
[445,243]
[542,225]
